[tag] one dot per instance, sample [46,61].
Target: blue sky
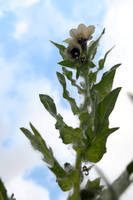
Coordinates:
[28,64]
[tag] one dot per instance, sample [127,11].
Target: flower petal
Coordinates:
[81,28]
[68,40]
[82,34]
[90,31]
[73,33]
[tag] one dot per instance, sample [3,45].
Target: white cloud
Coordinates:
[49,23]
[15,4]
[63,197]
[20,157]
[35,24]
[91,9]
[1,14]
[20,29]
[25,189]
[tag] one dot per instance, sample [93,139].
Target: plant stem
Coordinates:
[77,182]
[87,98]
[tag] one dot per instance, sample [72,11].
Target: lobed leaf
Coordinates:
[59,46]
[91,190]
[49,104]
[94,184]
[67,133]
[61,49]
[3,191]
[66,95]
[84,118]
[65,184]
[95,151]
[93,77]
[91,64]
[119,185]
[105,85]
[68,74]
[63,179]
[86,124]
[39,144]
[104,109]
[130,168]
[102,61]
[93,48]
[68,63]
[61,79]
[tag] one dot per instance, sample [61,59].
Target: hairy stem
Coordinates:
[77,182]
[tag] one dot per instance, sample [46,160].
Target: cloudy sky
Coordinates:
[28,65]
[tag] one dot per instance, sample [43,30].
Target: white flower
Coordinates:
[82,34]
[73,51]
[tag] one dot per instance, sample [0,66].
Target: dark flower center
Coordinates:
[75,53]
[82,40]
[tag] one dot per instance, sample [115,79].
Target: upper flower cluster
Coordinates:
[80,36]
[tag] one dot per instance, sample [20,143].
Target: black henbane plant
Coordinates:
[89,139]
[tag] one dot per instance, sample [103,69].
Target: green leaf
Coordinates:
[12,197]
[61,49]
[84,118]
[105,85]
[65,184]
[66,95]
[68,63]
[72,197]
[89,132]
[3,191]
[70,135]
[39,144]
[58,170]
[63,179]
[86,124]
[67,133]
[102,61]
[68,74]
[93,77]
[95,183]
[36,133]
[78,72]
[91,190]
[91,64]
[59,46]
[118,186]
[61,79]
[93,48]
[130,168]
[95,151]
[49,104]
[104,109]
